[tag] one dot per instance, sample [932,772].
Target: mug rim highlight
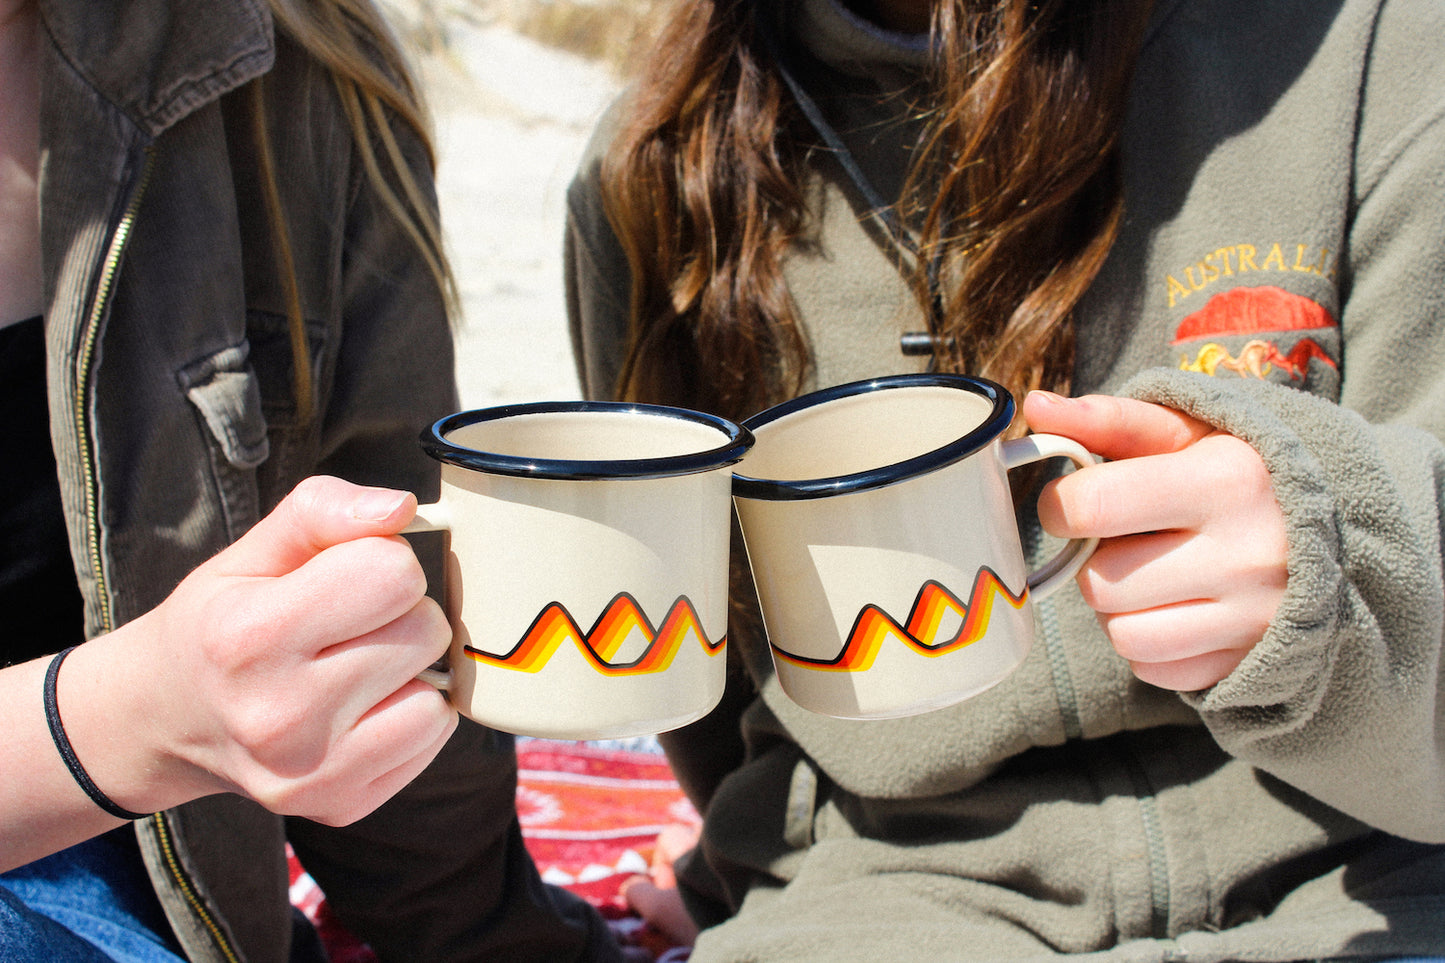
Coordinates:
[797,489]
[434,442]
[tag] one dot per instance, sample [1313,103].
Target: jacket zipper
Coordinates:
[193,899]
[109,268]
[90,470]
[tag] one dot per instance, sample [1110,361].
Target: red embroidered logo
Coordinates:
[1247,311]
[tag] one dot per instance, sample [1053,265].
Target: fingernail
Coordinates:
[376,504]
[1044,397]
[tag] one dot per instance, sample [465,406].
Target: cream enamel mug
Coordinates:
[587,567]
[881,534]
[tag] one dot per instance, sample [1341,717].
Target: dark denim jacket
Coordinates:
[175,428]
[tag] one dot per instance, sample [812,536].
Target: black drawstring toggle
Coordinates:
[917,344]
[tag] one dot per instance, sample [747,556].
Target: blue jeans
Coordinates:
[92,903]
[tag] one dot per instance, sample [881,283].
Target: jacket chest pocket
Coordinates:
[226,394]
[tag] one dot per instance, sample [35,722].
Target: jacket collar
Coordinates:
[848,43]
[157,60]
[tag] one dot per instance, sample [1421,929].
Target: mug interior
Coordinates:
[586,440]
[866,431]
[586,436]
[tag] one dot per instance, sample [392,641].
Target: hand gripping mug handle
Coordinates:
[1047,578]
[432,518]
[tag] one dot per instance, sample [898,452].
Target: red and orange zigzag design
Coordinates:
[622,616]
[874,626]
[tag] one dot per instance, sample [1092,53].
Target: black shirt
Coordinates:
[41,610]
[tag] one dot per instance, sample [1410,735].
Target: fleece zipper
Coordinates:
[1144,796]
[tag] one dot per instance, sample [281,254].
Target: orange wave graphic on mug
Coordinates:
[873,627]
[621,619]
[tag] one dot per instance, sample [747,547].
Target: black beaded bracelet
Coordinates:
[67,753]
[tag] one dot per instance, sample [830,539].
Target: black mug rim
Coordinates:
[777,489]
[434,442]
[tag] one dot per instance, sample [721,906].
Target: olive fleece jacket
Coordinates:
[1278,275]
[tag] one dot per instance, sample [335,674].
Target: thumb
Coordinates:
[318,513]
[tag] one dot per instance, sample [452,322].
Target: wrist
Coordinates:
[63,745]
[111,697]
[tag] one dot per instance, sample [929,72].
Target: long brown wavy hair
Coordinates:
[353,41]
[1014,198]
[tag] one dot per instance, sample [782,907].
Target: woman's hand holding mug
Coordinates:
[282,669]
[1192,564]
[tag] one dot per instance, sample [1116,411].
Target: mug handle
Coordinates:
[1045,580]
[432,518]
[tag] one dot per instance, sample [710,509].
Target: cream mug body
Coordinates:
[587,567]
[880,531]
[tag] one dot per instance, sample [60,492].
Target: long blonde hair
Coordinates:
[1015,195]
[353,42]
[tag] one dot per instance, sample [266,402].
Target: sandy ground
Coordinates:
[512,117]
